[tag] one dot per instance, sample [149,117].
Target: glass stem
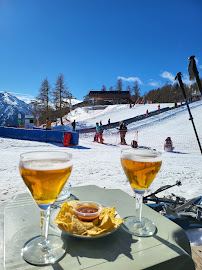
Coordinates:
[138,198]
[45,217]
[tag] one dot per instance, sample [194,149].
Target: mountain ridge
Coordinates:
[10,106]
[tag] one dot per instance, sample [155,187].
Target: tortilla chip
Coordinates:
[117,221]
[77,226]
[95,231]
[68,221]
[106,222]
[72,203]
[107,211]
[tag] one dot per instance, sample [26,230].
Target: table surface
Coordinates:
[168,249]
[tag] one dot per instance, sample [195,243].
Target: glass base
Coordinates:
[144,228]
[34,253]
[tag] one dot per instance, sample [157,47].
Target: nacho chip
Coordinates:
[68,221]
[77,226]
[106,222]
[87,225]
[96,231]
[72,203]
[107,211]
[117,221]
[65,214]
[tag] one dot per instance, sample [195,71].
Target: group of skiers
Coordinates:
[99,132]
[122,130]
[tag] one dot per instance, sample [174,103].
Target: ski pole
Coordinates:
[193,72]
[178,76]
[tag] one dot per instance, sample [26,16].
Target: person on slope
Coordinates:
[168,145]
[109,123]
[122,130]
[74,125]
[48,123]
[100,134]
[97,132]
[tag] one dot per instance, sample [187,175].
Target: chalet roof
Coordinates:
[109,94]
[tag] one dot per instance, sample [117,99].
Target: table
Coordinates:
[168,249]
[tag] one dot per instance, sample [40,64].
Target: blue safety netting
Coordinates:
[41,135]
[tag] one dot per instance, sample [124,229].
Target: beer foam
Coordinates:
[46,165]
[141,155]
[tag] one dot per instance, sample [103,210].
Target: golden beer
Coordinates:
[140,170]
[140,174]
[45,178]
[140,165]
[44,173]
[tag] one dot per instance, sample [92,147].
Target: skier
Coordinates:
[168,145]
[97,132]
[100,135]
[122,130]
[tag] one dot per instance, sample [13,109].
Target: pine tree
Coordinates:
[119,85]
[60,97]
[44,98]
[128,88]
[103,88]
[136,90]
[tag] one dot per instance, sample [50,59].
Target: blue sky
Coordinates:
[96,42]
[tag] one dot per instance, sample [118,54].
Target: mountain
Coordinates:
[10,106]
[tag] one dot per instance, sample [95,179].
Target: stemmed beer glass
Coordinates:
[141,166]
[45,174]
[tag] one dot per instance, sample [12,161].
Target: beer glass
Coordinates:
[65,194]
[45,174]
[140,165]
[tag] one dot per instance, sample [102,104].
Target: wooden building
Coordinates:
[110,97]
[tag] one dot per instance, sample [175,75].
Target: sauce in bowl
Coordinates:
[87,211]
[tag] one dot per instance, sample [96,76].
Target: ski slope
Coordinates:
[99,164]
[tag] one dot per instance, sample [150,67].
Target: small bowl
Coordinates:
[87,211]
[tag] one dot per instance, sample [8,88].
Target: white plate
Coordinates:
[54,226]
[87,236]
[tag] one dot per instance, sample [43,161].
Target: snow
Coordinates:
[9,100]
[88,117]
[99,164]
[10,106]
[75,101]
